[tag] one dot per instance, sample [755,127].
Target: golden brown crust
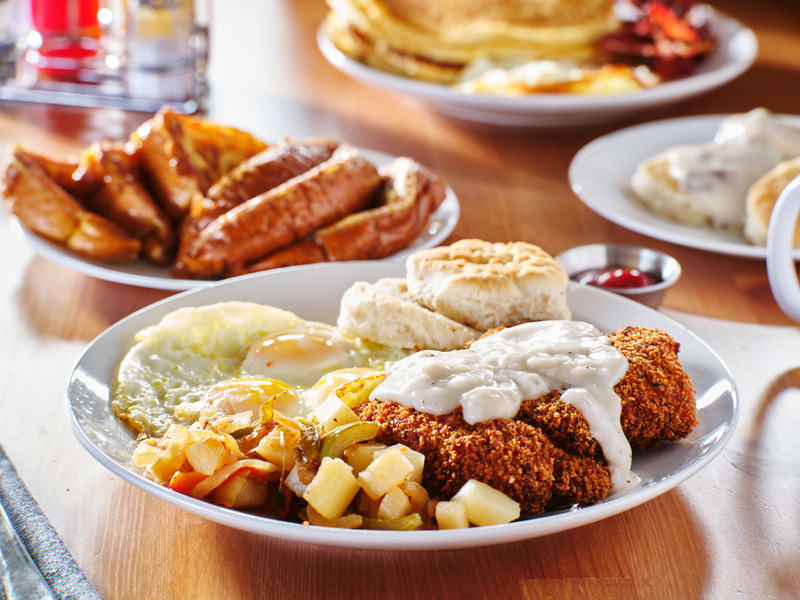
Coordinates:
[184,155]
[413,193]
[488,284]
[68,172]
[158,188]
[435,41]
[658,399]
[761,198]
[302,252]
[123,199]
[562,423]
[45,208]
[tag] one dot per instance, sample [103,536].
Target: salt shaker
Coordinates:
[165,50]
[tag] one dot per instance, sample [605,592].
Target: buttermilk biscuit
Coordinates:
[486,285]
[761,199]
[385,313]
[660,192]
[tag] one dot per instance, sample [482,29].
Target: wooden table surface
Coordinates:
[732,530]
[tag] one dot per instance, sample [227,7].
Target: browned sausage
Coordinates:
[183,155]
[259,174]
[345,183]
[410,194]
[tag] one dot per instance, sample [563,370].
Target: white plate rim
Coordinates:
[600,173]
[143,274]
[95,426]
[736,52]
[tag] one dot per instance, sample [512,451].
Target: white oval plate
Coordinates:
[600,176]
[736,50]
[660,469]
[144,274]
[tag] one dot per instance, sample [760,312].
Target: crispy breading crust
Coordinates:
[562,423]
[509,455]
[546,456]
[658,399]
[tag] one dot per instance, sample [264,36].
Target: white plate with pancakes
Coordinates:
[600,176]
[736,50]
[110,442]
[145,274]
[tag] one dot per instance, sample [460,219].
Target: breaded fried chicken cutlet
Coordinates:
[511,456]
[546,455]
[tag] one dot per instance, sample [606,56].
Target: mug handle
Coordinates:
[780,250]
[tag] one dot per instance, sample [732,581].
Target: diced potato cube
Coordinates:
[367,506]
[451,515]
[332,489]
[293,482]
[349,521]
[394,504]
[359,456]
[207,455]
[387,470]
[486,505]
[417,495]
[415,458]
[172,458]
[333,413]
[147,453]
[240,491]
[278,446]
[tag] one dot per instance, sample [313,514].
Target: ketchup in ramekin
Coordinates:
[616,278]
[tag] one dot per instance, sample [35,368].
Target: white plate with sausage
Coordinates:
[144,274]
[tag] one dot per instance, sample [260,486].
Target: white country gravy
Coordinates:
[719,173]
[491,378]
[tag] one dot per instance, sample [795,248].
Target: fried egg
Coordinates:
[231,357]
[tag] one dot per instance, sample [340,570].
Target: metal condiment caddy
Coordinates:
[129,54]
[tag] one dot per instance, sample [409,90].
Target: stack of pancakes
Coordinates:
[434,40]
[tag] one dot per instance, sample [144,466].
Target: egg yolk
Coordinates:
[298,357]
[247,394]
[330,381]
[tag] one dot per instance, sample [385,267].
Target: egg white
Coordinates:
[165,378]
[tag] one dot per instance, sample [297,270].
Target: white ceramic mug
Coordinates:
[780,251]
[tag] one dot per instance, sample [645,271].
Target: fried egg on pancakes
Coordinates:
[230,358]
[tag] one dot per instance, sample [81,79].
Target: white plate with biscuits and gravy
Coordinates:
[601,175]
[657,470]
